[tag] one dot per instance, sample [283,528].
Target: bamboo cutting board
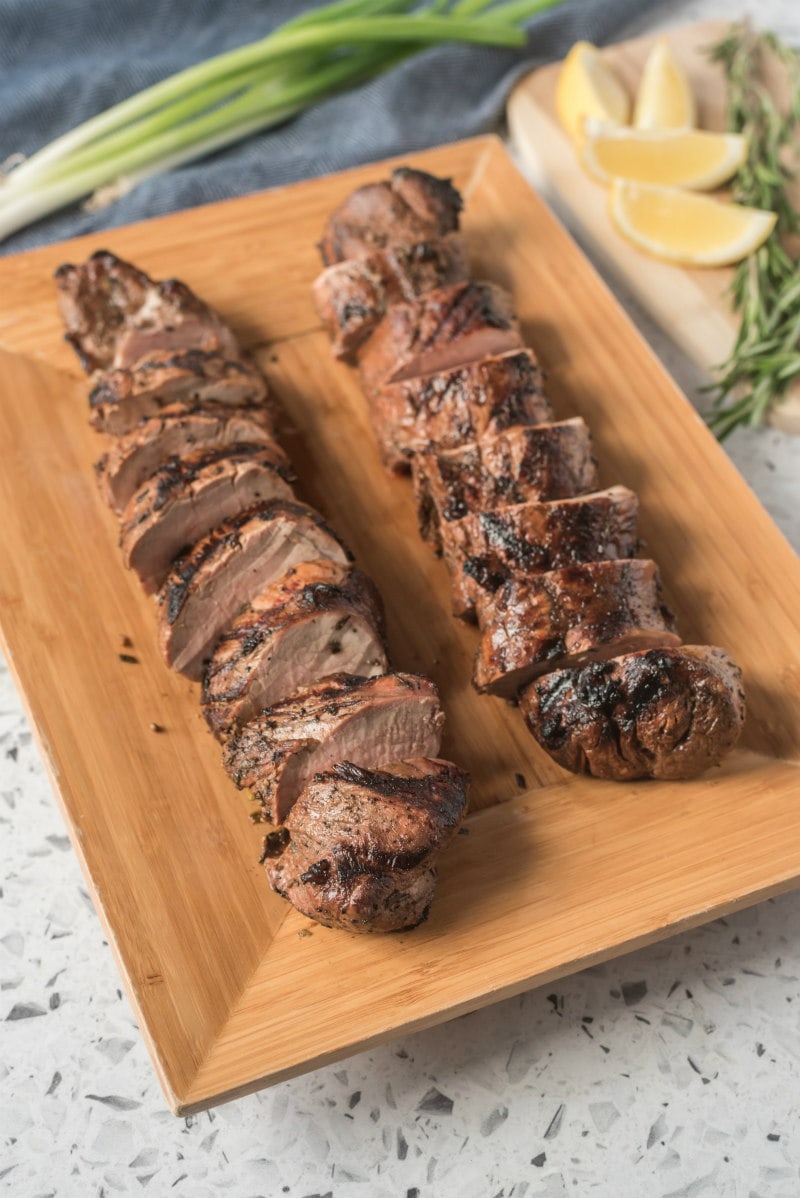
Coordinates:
[691,305]
[232,988]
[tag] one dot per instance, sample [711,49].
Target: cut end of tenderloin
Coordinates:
[216,579]
[358,849]
[319,618]
[346,718]
[567,617]
[659,713]
[189,497]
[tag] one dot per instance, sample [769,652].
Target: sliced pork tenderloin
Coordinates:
[567,617]
[368,721]
[658,713]
[359,848]
[540,461]
[351,297]
[409,207]
[484,549]
[123,398]
[188,497]
[218,577]
[176,432]
[115,314]
[453,408]
[438,331]
[317,619]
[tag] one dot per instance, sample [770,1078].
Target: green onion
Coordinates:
[218,102]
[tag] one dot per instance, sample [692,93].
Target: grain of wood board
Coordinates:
[692,306]
[232,988]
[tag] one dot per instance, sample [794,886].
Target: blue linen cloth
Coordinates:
[62,61]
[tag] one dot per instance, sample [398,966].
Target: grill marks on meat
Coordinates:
[453,408]
[347,718]
[548,461]
[659,713]
[115,314]
[410,207]
[189,496]
[217,578]
[440,330]
[484,549]
[359,848]
[567,617]
[125,397]
[351,297]
[319,618]
[176,432]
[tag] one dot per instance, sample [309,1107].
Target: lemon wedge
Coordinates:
[686,228]
[690,158]
[665,99]
[587,87]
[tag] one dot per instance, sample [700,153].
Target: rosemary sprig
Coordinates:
[766,287]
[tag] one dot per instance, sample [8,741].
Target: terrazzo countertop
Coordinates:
[672,1072]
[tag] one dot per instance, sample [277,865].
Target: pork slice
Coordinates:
[452,408]
[658,713]
[438,331]
[216,580]
[540,461]
[409,207]
[359,848]
[121,399]
[317,619]
[567,617]
[351,297]
[367,721]
[189,496]
[115,314]
[484,549]
[176,431]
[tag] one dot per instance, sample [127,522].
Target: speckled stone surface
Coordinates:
[673,1072]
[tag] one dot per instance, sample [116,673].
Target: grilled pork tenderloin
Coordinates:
[218,577]
[317,619]
[175,432]
[438,331]
[659,713]
[188,497]
[484,549]
[410,207]
[123,398]
[540,461]
[567,617]
[359,848]
[368,721]
[116,314]
[453,408]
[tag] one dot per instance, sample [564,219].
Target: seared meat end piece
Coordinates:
[115,314]
[456,407]
[317,619]
[545,461]
[174,433]
[485,549]
[368,721]
[567,617]
[659,713]
[440,330]
[351,297]
[358,850]
[411,206]
[217,578]
[123,398]
[188,497]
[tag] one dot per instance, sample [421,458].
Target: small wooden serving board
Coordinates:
[691,305]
